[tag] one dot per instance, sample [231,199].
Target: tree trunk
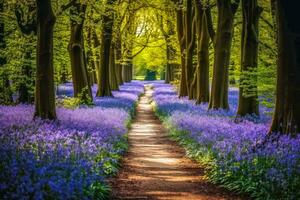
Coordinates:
[112,70]
[203,57]
[248,97]
[107,29]
[5,91]
[81,83]
[190,45]
[44,91]
[223,40]
[171,52]
[168,73]
[125,73]
[286,117]
[118,54]
[183,88]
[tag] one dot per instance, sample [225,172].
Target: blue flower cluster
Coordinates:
[67,159]
[239,155]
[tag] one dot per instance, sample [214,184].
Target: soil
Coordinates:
[157,168]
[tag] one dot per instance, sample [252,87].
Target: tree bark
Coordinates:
[118,54]
[112,70]
[183,88]
[171,53]
[248,97]
[286,117]
[81,83]
[223,40]
[107,29]
[168,70]
[190,45]
[44,91]
[203,56]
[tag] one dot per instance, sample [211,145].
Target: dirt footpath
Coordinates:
[157,168]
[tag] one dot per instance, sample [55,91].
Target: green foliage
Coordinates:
[98,191]
[76,102]
[71,102]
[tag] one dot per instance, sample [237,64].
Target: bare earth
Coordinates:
[157,168]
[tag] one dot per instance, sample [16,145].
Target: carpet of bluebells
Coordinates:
[237,154]
[70,158]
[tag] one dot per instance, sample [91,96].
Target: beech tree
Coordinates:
[104,88]
[44,85]
[76,49]
[286,117]
[248,97]
[202,70]
[223,40]
[112,70]
[183,88]
[190,45]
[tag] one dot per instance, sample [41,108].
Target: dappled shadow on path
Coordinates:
[156,168]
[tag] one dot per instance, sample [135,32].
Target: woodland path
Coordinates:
[157,168]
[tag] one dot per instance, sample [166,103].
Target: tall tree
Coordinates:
[223,40]
[190,45]
[76,49]
[171,52]
[118,54]
[183,88]
[44,91]
[113,81]
[286,117]
[107,29]
[248,97]
[202,71]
